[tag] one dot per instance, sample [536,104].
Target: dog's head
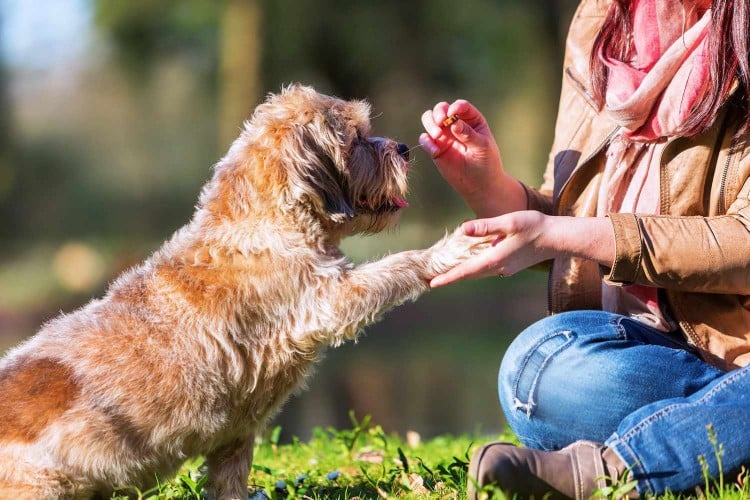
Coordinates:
[319,151]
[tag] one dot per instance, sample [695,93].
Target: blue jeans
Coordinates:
[608,378]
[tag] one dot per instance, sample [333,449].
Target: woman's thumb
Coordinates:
[478,227]
[499,225]
[465,133]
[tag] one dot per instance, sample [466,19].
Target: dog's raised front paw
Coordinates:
[454,249]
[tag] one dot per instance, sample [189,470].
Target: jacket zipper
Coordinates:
[586,160]
[581,88]
[549,287]
[724,175]
[663,208]
[557,206]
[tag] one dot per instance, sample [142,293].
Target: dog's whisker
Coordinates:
[413,148]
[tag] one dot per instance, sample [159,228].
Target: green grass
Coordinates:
[363,462]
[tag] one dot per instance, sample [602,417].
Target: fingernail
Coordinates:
[427,146]
[436,282]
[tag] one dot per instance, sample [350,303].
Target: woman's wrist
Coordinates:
[504,195]
[589,238]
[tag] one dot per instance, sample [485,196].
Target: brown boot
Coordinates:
[576,471]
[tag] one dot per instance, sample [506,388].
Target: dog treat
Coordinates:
[451,120]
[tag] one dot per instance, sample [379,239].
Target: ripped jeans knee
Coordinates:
[529,369]
[556,379]
[577,375]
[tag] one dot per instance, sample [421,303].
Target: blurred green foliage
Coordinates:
[403,56]
[102,156]
[143,28]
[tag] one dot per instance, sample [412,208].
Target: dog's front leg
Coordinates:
[370,289]
[228,469]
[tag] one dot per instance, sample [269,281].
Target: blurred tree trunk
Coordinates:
[240,57]
[7,167]
[5,122]
[556,16]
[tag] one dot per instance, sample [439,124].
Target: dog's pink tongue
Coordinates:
[400,202]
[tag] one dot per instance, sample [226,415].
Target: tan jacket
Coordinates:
[698,249]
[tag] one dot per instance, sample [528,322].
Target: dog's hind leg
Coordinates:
[44,486]
[27,473]
[228,469]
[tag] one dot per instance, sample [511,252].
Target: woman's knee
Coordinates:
[537,348]
[543,377]
[543,345]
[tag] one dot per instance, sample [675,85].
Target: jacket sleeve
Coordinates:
[691,254]
[538,199]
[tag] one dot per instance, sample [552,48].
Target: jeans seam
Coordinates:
[664,336]
[669,409]
[529,405]
[637,465]
[537,444]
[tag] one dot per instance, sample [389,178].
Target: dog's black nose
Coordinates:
[403,150]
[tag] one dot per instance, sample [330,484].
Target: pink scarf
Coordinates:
[651,96]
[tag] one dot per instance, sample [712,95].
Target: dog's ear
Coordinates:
[315,174]
[331,186]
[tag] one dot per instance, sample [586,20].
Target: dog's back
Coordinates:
[115,395]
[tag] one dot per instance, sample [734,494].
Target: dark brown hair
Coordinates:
[728,46]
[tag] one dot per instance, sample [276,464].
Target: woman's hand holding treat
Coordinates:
[461,144]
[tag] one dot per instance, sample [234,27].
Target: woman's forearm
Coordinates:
[508,195]
[527,237]
[590,238]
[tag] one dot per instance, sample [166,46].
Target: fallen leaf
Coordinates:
[372,457]
[413,439]
[416,483]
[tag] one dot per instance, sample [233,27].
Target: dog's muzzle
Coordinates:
[403,150]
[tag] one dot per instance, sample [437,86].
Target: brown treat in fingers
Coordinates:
[450,120]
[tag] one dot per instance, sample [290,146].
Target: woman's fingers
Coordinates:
[432,128]
[466,134]
[435,147]
[440,112]
[519,244]
[467,112]
[432,120]
[429,145]
[462,134]
[484,264]
[463,123]
[501,226]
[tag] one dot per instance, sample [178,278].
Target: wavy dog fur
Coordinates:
[192,351]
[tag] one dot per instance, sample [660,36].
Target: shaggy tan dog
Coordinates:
[192,351]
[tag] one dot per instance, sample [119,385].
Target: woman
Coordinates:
[644,215]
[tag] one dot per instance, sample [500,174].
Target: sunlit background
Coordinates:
[112,113]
